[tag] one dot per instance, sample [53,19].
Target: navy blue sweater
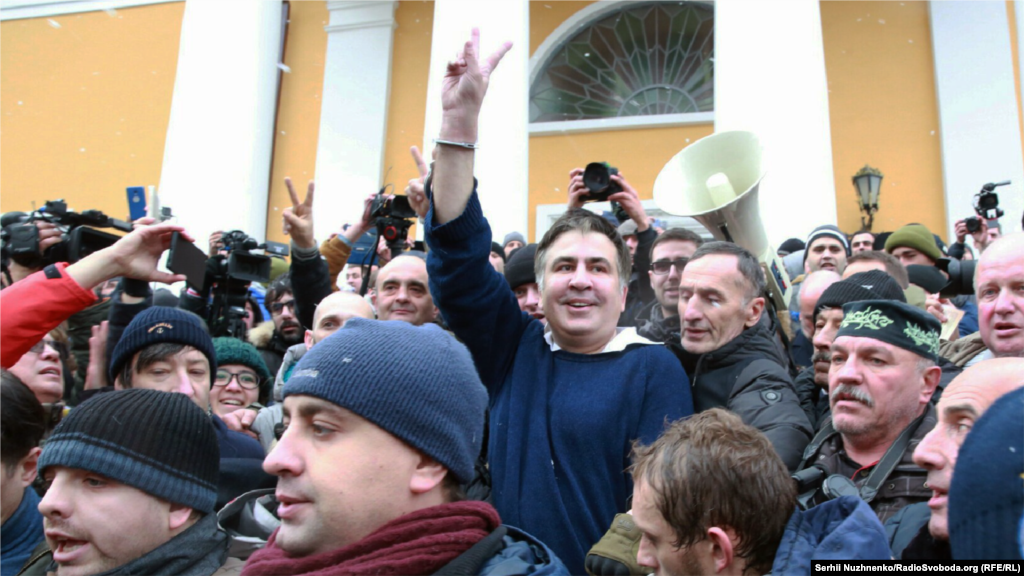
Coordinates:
[561,424]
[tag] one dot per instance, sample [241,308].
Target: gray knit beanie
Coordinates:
[513,236]
[416,382]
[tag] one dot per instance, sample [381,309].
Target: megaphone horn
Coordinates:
[702,181]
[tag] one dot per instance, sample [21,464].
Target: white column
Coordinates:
[353,110]
[502,162]
[977,107]
[216,166]
[770,80]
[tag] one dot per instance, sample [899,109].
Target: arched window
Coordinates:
[641,59]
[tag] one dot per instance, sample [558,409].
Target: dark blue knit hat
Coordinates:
[161,325]
[986,498]
[158,442]
[416,382]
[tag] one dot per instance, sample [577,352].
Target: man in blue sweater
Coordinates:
[567,401]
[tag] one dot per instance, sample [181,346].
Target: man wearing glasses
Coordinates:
[283,330]
[659,319]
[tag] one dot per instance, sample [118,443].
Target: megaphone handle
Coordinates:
[724,229]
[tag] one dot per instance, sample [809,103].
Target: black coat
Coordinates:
[747,376]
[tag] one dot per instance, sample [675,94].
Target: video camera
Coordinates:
[79,236]
[228,279]
[394,215]
[986,205]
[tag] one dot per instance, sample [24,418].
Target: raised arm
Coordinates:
[463,89]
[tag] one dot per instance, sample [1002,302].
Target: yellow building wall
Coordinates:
[639,154]
[884,110]
[298,111]
[86,99]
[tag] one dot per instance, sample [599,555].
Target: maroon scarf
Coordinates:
[418,543]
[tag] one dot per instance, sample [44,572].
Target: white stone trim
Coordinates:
[621,123]
[354,108]
[20,9]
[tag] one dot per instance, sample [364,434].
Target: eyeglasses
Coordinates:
[278,307]
[663,266]
[38,347]
[246,380]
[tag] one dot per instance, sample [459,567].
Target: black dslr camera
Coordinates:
[597,177]
[394,215]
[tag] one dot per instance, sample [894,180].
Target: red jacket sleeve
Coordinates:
[29,309]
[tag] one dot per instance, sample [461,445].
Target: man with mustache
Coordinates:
[728,349]
[813,287]
[921,531]
[881,380]
[670,252]
[812,383]
[131,482]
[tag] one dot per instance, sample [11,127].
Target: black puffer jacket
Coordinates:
[747,377]
[814,403]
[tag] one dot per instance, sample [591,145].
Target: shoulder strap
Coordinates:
[824,433]
[889,461]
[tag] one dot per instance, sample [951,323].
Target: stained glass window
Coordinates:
[643,59]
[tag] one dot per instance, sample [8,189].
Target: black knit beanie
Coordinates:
[870,285]
[519,269]
[158,442]
[497,249]
[158,325]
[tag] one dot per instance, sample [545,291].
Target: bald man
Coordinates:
[330,315]
[997,286]
[920,531]
[814,285]
[403,293]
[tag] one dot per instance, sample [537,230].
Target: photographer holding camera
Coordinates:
[600,182]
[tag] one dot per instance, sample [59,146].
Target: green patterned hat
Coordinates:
[895,323]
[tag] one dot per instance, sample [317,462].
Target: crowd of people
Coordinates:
[617,398]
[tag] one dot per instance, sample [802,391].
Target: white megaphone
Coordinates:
[714,181]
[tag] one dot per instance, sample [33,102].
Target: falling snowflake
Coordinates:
[111,12]
[911,41]
[81,149]
[53,22]
[881,21]
[284,67]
